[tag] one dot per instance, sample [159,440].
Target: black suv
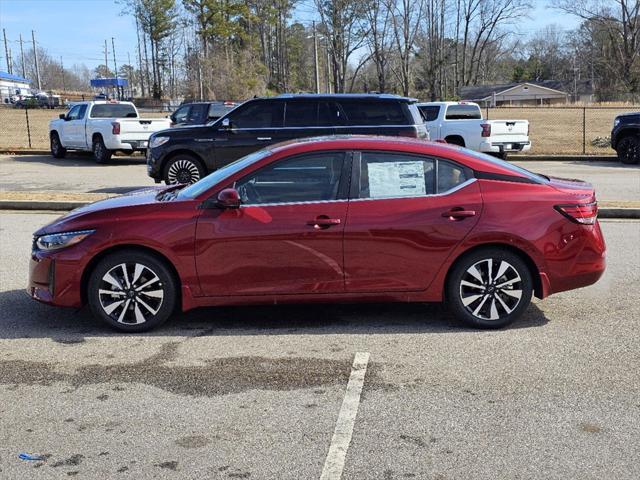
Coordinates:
[186,154]
[625,137]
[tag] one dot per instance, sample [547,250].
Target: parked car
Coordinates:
[331,219]
[102,127]
[461,123]
[200,113]
[625,137]
[185,155]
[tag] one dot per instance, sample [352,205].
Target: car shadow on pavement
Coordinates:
[25,318]
[77,160]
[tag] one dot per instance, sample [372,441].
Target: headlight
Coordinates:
[56,241]
[157,141]
[616,122]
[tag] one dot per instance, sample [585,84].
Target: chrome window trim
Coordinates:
[275,204]
[404,125]
[448,192]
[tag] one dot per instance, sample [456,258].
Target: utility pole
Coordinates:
[35,54]
[315,58]
[24,73]
[6,52]
[64,86]
[129,75]
[115,67]
[139,59]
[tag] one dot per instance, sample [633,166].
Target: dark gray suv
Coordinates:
[186,154]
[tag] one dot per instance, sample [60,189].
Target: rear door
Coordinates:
[374,116]
[286,238]
[406,214]
[308,118]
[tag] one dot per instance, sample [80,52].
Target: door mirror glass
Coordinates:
[228,198]
[226,123]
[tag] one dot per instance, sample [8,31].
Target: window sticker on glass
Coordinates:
[396,179]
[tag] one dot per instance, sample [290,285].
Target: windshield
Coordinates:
[198,188]
[509,166]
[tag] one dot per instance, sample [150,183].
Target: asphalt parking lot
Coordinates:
[255,392]
[79,173]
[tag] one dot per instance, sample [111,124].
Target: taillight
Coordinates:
[115,128]
[486,129]
[583,213]
[413,133]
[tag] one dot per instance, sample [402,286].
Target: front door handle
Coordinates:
[323,222]
[459,213]
[264,139]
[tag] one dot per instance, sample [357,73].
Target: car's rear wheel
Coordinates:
[101,153]
[57,150]
[629,150]
[132,291]
[183,169]
[489,288]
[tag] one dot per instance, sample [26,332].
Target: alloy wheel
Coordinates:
[131,293]
[491,289]
[183,171]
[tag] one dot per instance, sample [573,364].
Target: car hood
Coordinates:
[88,215]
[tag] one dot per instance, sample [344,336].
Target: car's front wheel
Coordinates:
[183,169]
[132,291]
[629,150]
[489,288]
[57,150]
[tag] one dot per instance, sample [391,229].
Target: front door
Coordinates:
[251,127]
[286,238]
[407,214]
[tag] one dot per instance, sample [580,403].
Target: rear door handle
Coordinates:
[264,138]
[322,222]
[459,213]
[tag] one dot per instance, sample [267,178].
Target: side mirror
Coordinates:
[228,198]
[226,123]
[63,116]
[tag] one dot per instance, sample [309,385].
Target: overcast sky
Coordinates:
[76,29]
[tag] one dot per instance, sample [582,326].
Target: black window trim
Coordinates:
[354,192]
[343,186]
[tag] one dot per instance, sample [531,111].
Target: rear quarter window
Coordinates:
[113,110]
[374,113]
[429,113]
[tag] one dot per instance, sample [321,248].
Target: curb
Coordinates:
[27,205]
[21,151]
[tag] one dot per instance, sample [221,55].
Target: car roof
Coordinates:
[346,96]
[392,144]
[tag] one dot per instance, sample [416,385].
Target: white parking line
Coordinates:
[334,464]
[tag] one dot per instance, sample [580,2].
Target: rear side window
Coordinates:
[430,112]
[463,112]
[391,175]
[450,176]
[373,113]
[262,114]
[301,114]
[113,110]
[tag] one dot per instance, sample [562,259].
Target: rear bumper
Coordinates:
[116,143]
[500,147]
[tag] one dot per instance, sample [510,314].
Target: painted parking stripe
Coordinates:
[334,464]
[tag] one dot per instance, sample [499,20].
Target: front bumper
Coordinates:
[54,281]
[154,162]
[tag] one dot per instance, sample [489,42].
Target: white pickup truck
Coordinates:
[461,123]
[102,127]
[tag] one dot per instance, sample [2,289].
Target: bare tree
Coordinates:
[379,39]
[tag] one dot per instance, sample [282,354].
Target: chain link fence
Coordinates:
[22,128]
[553,130]
[565,130]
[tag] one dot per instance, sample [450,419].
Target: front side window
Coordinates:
[180,116]
[81,112]
[391,175]
[73,113]
[308,178]
[258,115]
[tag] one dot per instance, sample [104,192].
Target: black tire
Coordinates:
[101,154]
[57,150]
[500,155]
[153,304]
[477,306]
[183,168]
[629,150]
[455,141]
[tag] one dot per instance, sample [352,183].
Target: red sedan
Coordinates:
[336,219]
